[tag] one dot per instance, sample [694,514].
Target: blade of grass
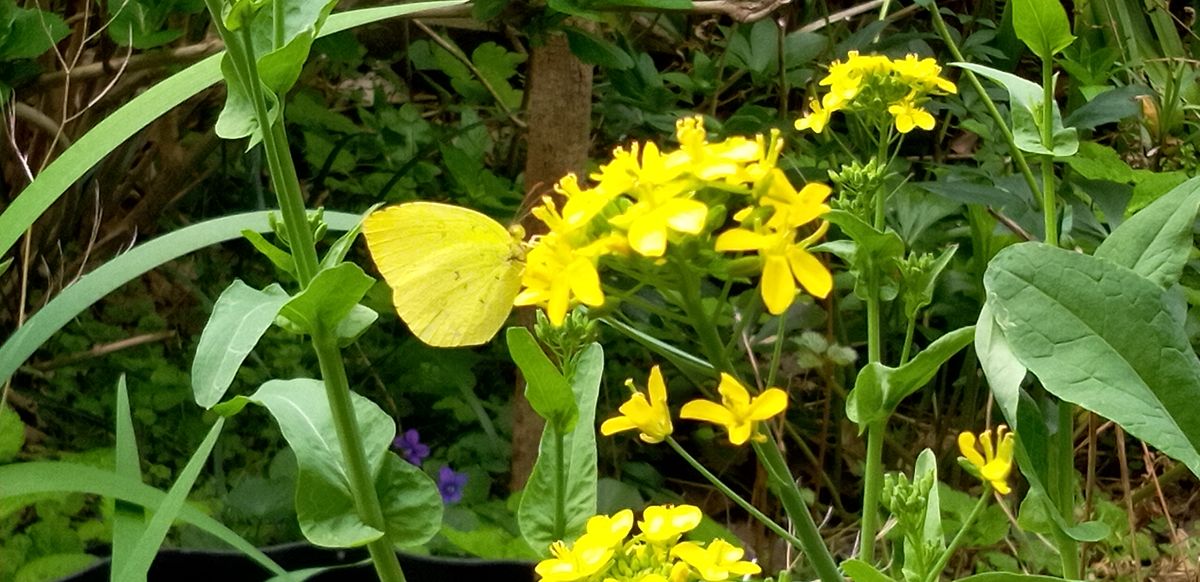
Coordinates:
[92,287]
[137,563]
[37,477]
[129,521]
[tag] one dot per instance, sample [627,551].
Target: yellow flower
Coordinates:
[650,416]
[580,208]
[784,262]
[610,530]
[817,118]
[738,412]
[908,116]
[996,462]
[923,74]
[716,563]
[588,556]
[556,273]
[646,222]
[665,523]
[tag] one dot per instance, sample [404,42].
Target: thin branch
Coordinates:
[466,61]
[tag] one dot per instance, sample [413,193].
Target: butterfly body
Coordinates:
[454,272]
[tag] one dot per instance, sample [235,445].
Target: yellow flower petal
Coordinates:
[615,425]
[707,411]
[966,446]
[778,285]
[766,405]
[740,239]
[811,273]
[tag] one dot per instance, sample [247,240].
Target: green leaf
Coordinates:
[1042,25]
[129,520]
[872,258]
[40,477]
[1156,242]
[240,316]
[1004,372]
[139,559]
[1099,162]
[489,542]
[135,115]
[324,503]
[918,292]
[53,567]
[32,33]
[893,385]
[594,50]
[932,536]
[278,257]
[12,434]
[328,298]
[860,571]
[90,288]
[1026,104]
[1009,577]
[1150,186]
[4,265]
[536,515]
[545,387]
[412,503]
[1101,336]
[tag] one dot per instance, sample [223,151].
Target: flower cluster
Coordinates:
[875,83]
[606,552]
[738,412]
[646,200]
[996,462]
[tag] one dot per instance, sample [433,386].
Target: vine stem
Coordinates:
[944,559]
[286,184]
[738,499]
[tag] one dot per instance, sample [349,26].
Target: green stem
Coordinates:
[710,341]
[872,488]
[908,339]
[738,499]
[560,487]
[1068,548]
[793,503]
[1049,203]
[777,354]
[362,486]
[1017,155]
[300,239]
[944,559]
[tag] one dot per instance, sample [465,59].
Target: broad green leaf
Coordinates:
[328,298]
[536,514]
[135,115]
[240,316]
[1109,107]
[547,391]
[138,561]
[860,571]
[324,504]
[1025,100]
[1099,335]
[32,33]
[12,434]
[893,385]
[90,288]
[1099,162]
[1156,242]
[1042,25]
[40,477]
[1150,186]
[412,503]
[1003,371]
[129,520]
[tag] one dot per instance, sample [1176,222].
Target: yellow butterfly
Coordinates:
[453,271]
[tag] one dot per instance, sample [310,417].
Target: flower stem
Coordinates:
[908,339]
[872,487]
[1049,203]
[796,508]
[1017,155]
[710,341]
[738,499]
[560,486]
[944,559]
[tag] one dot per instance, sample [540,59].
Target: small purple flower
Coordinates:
[451,484]
[410,446]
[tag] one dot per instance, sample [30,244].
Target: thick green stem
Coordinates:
[1017,155]
[286,184]
[560,487]
[362,486]
[793,503]
[1068,548]
[738,499]
[944,559]
[710,341]
[872,487]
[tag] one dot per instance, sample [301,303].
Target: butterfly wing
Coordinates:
[453,272]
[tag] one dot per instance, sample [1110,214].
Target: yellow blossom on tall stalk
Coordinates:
[738,412]
[587,556]
[872,84]
[556,272]
[996,463]
[650,416]
[665,523]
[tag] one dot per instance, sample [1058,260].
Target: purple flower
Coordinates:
[410,446]
[451,484]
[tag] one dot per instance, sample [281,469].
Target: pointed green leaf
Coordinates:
[1025,101]
[1101,336]
[545,387]
[241,315]
[129,520]
[860,571]
[328,298]
[536,515]
[879,389]
[1156,242]
[1003,371]
[1042,25]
